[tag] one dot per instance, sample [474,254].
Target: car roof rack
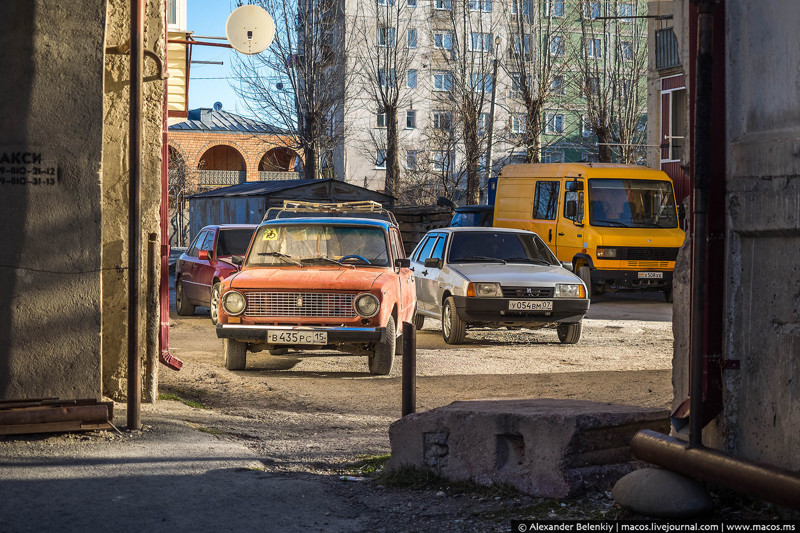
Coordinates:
[360,209]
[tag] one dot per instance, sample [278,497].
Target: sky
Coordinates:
[211,83]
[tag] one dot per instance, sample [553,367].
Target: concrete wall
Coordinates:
[51,106]
[761,419]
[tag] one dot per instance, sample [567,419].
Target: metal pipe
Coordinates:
[183,41]
[134,215]
[409,368]
[153,320]
[702,169]
[764,481]
[489,165]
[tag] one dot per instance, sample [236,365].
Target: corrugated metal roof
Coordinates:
[204,119]
[266,188]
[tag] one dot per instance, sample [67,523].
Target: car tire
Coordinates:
[278,351]
[453,328]
[419,321]
[182,304]
[569,333]
[586,275]
[382,359]
[235,354]
[213,304]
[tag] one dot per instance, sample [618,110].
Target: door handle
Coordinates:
[550,235]
[561,234]
[424,272]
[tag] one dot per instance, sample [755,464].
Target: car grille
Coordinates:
[528,292]
[300,304]
[648,264]
[643,253]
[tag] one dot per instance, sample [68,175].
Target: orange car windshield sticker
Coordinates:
[270,234]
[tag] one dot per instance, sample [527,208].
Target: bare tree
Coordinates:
[536,65]
[612,56]
[387,41]
[298,83]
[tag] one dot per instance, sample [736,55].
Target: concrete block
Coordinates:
[543,447]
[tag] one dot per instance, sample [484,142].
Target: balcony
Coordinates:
[274,175]
[220,178]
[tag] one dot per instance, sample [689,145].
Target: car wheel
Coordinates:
[419,321]
[182,304]
[213,304]
[668,294]
[453,328]
[586,275]
[279,351]
[235,354]
[569,333]
[380,362]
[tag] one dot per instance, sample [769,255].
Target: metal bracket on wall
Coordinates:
[125,49]
[724,364]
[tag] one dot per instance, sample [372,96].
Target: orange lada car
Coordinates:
[319,282]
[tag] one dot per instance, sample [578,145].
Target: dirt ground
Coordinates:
[317,413]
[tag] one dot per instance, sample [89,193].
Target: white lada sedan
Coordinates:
[495,277]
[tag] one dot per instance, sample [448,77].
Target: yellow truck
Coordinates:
[617,224]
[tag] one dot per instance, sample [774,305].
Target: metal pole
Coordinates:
[409,368]
[491,121]
[134,215]
[702,169]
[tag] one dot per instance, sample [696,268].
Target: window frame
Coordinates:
[551,120]
[552,207]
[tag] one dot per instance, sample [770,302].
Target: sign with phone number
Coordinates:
[26,168]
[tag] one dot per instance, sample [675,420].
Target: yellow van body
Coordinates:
[621,231]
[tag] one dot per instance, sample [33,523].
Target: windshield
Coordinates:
[499,247]
[471,218]
[233,242]
[622,203]
[301,244]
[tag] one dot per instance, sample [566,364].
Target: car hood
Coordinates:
[314,278]
[516,274]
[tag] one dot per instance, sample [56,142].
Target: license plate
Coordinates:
[651,275]
[297,337]
[530,305]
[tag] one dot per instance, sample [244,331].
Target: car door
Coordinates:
[433,276]
[570,229]
[408,289]
[423,251]
[187,267]
[427,277]
[204,272]
[544,216]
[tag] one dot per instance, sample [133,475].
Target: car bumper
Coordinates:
[495,310]
[629,279]
[336,335]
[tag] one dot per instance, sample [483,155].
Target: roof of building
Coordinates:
[204,119]
[267,188]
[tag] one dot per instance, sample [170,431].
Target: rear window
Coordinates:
[233,242]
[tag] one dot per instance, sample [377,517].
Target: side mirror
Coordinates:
[433,262]
[402,262]
[567,264]
[237,260]
[204,255]
[572,208]
[574,185]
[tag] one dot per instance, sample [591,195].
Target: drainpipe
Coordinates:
[134,215]
[694,460]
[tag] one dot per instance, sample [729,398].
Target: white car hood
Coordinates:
[515,274]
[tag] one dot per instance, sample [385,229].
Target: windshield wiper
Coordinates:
[325,260]
[279,255]
[480,258]
[527,260]
[612,222]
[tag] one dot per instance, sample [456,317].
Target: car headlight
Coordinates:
[570,290]
[367,305]
[484,290]
[233,302]
[606,253]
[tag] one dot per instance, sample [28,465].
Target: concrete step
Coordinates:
[543,447]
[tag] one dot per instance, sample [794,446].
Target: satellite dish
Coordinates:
[217,106]
[249,29]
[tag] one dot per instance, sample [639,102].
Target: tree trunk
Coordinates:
[603,140]
[472,150]
[392,156]
[533,131]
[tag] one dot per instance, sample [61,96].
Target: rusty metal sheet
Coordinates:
[49,415]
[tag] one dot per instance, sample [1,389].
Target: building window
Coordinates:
[386,37]
[481,42]
[441,120]
[592,87]
[442,4]
[385,79]
[441,161]
[522,44]
[411,120]
[586,129]
[481,83]
[555,8]
[558,85]
[591,9]
[555,123]
[518,82]
[518,123]
[480,5]
[442,81]
[412,3]
[411,160]
[553,157]
[411,79]
[557,46]
[380,159]
[593,48]
[483,123]
[625,10]
[411,38]
[385,2]
[521,5]
[381,119]
[443,40]
[626,50]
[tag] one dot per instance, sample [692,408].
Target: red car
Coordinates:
[215,254]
